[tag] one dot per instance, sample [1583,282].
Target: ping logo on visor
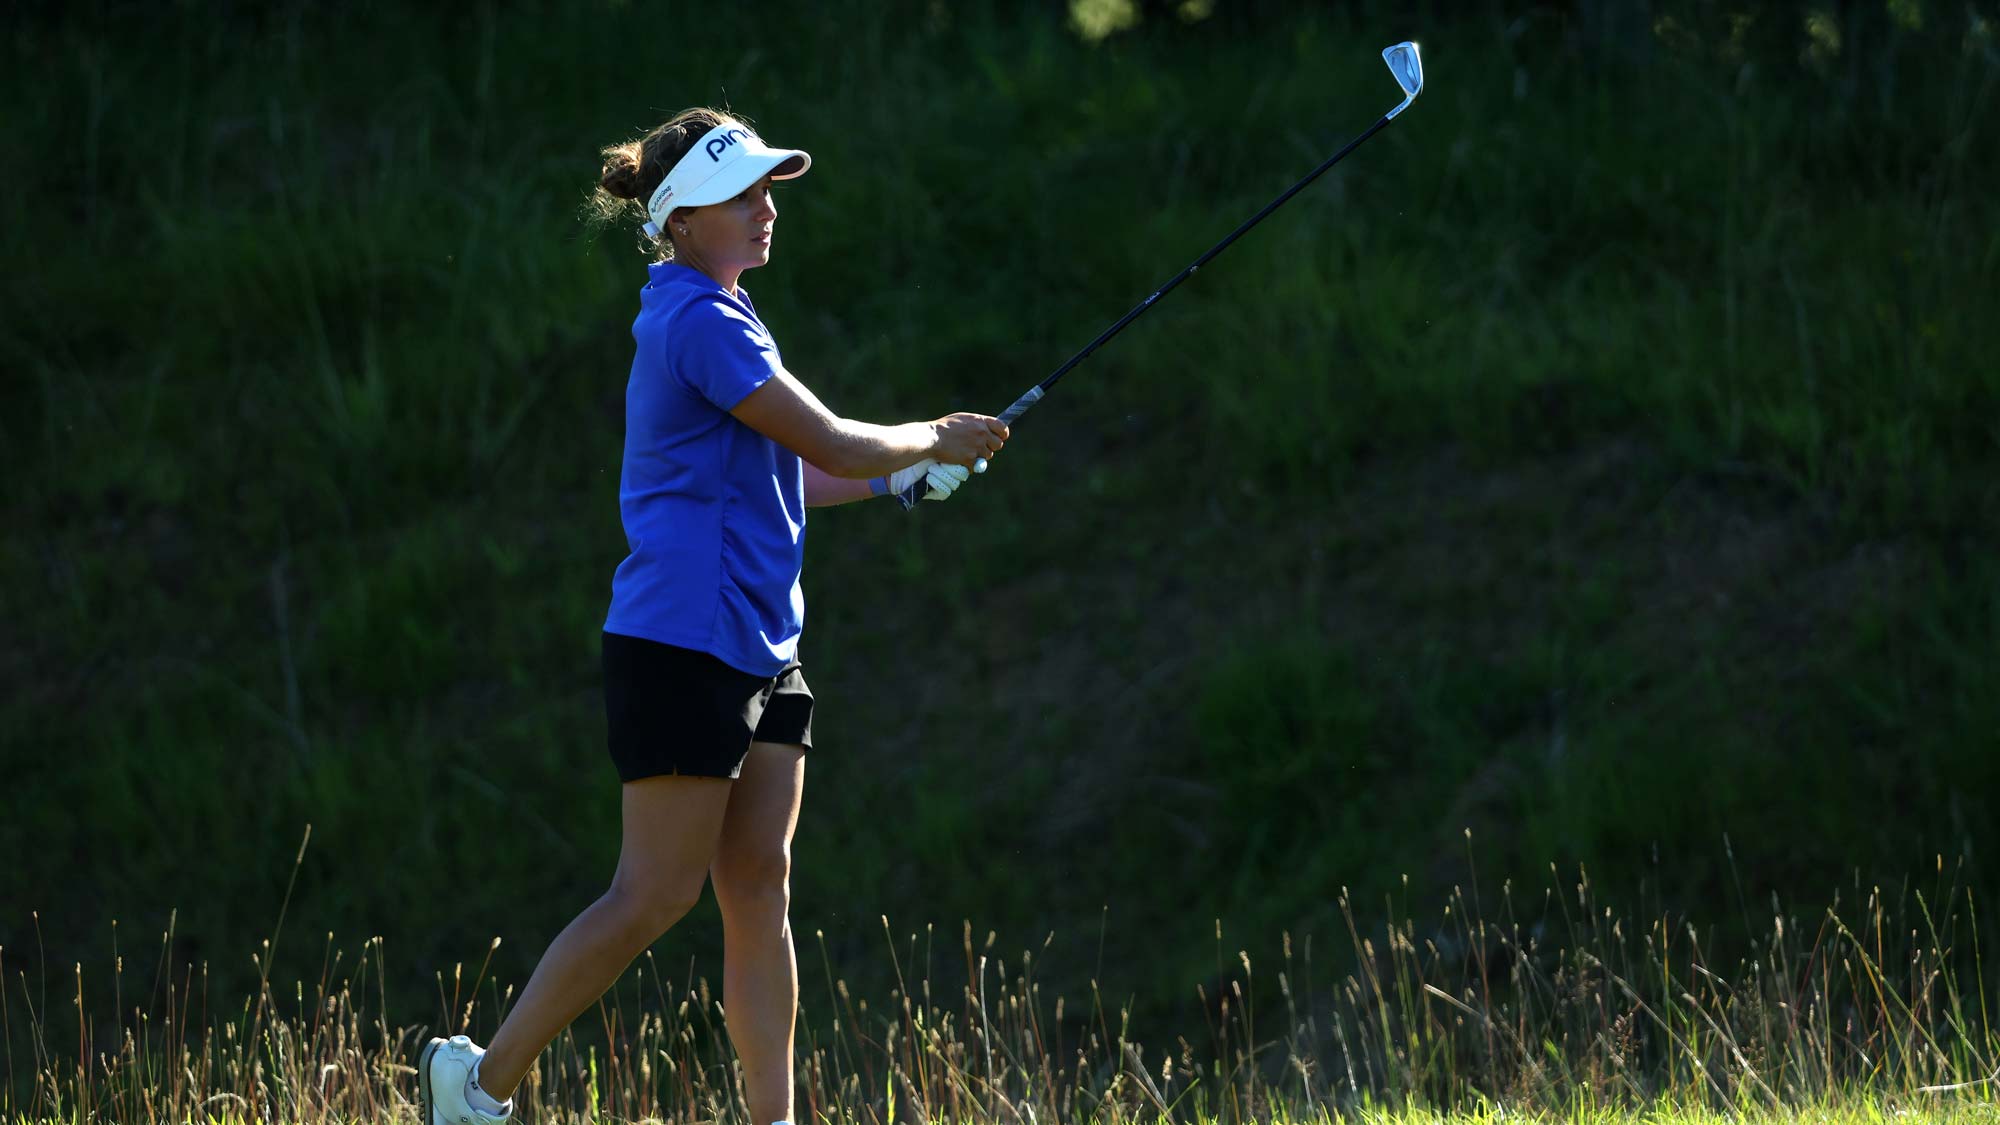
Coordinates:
[727,159]
[714,145]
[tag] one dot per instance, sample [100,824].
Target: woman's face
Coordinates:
[733,235]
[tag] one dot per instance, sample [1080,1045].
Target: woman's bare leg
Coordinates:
[672,825]
[752,879]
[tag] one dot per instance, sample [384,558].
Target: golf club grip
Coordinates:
[1008,416]
[1021,405]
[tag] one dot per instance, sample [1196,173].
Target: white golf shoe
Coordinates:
[444,1070]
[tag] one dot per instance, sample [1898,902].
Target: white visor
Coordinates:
[727,159]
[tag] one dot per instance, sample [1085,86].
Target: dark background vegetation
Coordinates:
[1595,472]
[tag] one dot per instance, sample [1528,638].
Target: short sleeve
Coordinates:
[721,353]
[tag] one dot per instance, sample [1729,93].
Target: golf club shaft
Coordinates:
[1035,393]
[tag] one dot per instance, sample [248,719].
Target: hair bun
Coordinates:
[621,172]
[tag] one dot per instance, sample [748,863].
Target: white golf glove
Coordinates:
[941,480]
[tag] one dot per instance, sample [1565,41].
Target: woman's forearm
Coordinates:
[824,490]
[861,450]
[785,411]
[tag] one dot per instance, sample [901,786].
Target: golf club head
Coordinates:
[1408,66]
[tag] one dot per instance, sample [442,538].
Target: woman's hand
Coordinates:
[939,481]
[961,439]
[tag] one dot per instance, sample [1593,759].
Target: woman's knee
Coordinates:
[651,910]
[750,878]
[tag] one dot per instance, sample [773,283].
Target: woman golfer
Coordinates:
[709,715]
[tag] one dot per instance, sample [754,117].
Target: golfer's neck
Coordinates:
[724,278]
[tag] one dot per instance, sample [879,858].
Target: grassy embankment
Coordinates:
[1602,459]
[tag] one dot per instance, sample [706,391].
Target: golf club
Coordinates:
[1404,62]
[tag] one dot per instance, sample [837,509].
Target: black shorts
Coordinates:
[679,711]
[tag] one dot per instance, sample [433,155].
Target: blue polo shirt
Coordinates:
[714,512]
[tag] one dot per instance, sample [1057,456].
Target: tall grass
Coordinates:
[1552,1005]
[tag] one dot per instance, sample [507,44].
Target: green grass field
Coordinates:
[1880,1013]
[1929,1112]
[1600,460]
